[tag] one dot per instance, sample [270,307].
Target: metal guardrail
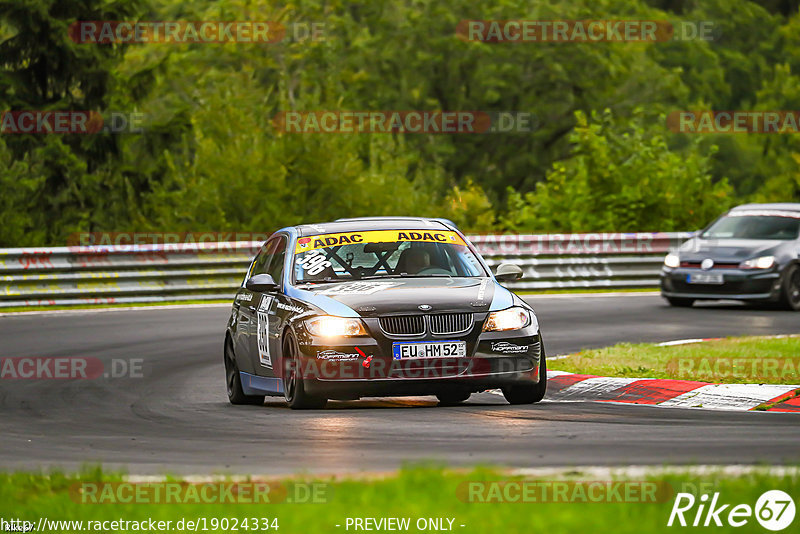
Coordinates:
[211,271]
[567,261]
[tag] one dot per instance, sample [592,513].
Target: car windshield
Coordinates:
[383,254]
[755,225]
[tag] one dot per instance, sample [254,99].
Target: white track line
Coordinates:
[736,397]
[589,295]
[641,471]
[593,472]
[680,342]
[704,340]
[181,306]
[121,308]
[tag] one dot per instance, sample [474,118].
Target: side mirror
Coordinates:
[261,283]
[508,272]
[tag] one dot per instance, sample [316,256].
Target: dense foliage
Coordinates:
[600,159]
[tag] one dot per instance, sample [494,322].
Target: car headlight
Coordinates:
[672,260]
[764,262]
[330,326]
[512,318]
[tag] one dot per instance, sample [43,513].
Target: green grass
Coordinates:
[420,492]
[739,360]
[23,309]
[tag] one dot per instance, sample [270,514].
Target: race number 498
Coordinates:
[314,263]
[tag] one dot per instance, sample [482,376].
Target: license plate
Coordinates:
[439,349]
[705,278]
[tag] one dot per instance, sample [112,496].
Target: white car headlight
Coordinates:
[512,318]
[672,260]
[764,262]
[330,326]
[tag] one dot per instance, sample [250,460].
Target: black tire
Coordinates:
[680,303]
[529,394]
[233,380]
[452,398]
[294,390]
[790,288]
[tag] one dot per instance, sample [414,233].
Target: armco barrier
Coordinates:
[595,260]
[211,271]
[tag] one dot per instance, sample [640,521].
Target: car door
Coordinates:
[245,304]
[248,304]
[265,334]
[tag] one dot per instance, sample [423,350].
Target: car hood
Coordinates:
[731,250]
[397,296]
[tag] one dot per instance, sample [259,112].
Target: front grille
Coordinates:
[720,265]
[412,325]
[450,323]
[404,325]
[730,287]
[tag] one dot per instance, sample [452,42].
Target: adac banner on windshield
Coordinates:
[305,244]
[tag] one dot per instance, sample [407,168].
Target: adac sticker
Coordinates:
[377,236]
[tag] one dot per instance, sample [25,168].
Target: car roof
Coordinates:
[786,206]
[364,224]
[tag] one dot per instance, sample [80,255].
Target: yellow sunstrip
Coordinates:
[305,244]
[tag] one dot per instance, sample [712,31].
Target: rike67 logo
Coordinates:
[774,510]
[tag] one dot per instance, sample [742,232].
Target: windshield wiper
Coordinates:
[326,280]
[435,275]
[329,280]
[405,275]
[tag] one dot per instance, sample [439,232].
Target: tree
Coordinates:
[84,183]
[621,178]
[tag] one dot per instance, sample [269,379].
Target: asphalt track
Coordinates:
[176,417]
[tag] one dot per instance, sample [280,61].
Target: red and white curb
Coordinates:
[563,386]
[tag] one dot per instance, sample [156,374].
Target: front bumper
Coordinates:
[738,284]
[364,366]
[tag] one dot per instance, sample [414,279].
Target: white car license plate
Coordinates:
[705,278]
[439,349]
